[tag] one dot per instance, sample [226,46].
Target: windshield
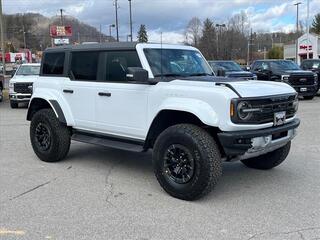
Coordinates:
[285,65]
[176,62]
[228,66]
[28,70]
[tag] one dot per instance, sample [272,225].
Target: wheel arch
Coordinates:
[168,117]
[37,104]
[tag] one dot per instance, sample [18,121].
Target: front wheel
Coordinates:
[187,161]
[49,138]
[269,160]
[308,97]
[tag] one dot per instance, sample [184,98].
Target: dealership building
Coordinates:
[298,51]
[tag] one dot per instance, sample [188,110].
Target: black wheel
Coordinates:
[13,104]
[187,161]
[49,138]
[269,160]
[308,97]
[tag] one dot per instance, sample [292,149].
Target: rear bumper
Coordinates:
[252,143]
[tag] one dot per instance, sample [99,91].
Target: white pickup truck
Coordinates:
[162,97]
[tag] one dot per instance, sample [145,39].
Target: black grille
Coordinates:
[301,80]
[23,87]
[268,107]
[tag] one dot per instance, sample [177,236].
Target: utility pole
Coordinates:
[117,23]
[249,48]
[24,37]
[61,16]
[308,29]
[297,4]
[111,26]
[100,35]
[130,20]
[2,40]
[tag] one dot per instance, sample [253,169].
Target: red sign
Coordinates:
[60,31]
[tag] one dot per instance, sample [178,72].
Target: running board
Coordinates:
[108,141]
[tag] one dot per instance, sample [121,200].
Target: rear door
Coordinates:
[79,90]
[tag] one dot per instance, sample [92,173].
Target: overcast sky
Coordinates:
[170,16]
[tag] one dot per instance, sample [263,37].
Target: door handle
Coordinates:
[104,94]
[67,91]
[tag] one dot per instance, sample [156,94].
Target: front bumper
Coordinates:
[306,90]
[20,97]
[241,145]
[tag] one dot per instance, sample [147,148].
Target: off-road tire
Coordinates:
[59,136]
[269,160]
[14,104]
[206,157]
[308,97]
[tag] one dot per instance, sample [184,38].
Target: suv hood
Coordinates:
[255,88]
[298,72]
[24,78]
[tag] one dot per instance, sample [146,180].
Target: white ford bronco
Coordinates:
[137,97]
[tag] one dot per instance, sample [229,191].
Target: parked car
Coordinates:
[304,82]
[20,85]
[230,69]
[314,66]
[163,97]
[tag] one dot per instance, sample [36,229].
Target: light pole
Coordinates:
[117,23]
[111,26]
[220,26]
[130,20]
[297,4]
[2,41]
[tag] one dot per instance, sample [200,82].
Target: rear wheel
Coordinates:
[49,138]
[13,104]
[269,160]
[187,161]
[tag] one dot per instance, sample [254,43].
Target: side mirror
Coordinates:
[221,72]
[137,74]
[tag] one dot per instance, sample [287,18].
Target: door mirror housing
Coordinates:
[221,72]
[137,74]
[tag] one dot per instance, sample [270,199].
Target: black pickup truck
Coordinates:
[312,65]
[304,82]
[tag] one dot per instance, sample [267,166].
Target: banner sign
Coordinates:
[60,31]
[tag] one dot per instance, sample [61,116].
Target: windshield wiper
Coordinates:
[169,75]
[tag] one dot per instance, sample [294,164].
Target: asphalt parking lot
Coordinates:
[99,193]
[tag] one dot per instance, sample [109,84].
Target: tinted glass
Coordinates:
[176,62]
[28,70]
[118,63]
[257,66]
[284,65]
[53,63]
[84,65]
[229,66]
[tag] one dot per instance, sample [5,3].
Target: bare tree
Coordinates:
[194,30]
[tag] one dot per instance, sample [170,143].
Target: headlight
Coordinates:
[242,111]
[315,78]
[285,78]
[11,84]
[296,103]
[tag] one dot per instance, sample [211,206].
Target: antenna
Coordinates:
[161,56]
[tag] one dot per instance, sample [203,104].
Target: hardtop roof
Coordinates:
[95,46]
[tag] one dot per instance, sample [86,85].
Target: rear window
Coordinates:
[84,65]
[53,63]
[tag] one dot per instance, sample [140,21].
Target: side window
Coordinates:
[53,63]
[84,65]
[265,66]
[257,66]
[118,63]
